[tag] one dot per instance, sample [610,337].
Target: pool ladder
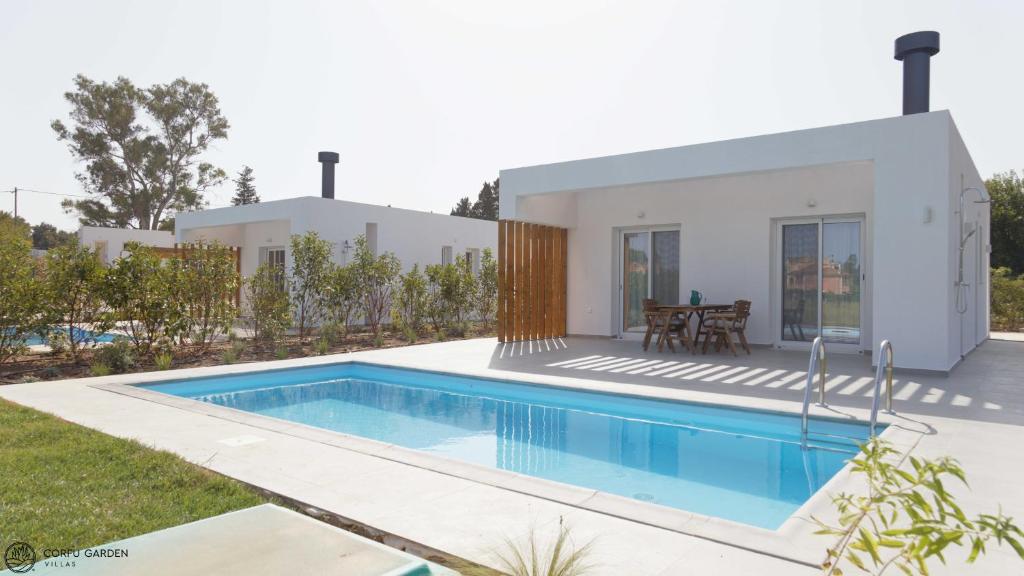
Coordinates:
[819,363]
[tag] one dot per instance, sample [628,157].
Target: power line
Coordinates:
[50,193]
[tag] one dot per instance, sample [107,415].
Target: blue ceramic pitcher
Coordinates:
[695,298]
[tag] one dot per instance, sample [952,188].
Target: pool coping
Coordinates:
[793,541]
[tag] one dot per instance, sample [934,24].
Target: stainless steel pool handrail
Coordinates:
[884,348]
[819,361]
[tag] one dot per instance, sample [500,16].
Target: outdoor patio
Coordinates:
[986,386]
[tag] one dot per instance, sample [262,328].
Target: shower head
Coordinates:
[983,196]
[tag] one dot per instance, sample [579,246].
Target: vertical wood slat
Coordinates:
[521,280]
[563,285]
[531,281]
[513,280]
[501,280]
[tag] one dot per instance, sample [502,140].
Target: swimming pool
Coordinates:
[743,465]
[84,336]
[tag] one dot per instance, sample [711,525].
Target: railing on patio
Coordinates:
[531,281]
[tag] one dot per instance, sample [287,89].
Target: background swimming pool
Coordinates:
[81,335]
[742,465]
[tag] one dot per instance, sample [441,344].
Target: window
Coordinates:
[473,257]
[371,237]
[446,254]
[274,256]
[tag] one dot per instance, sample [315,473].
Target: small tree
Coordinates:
[442,287]
[907,516]
[73,287]
[410,301]
[377,275]
[245,190]
[206,279]
[342,296]
[311,262]
[140,293]
[486,295]
[1007,299]
[466,288]
[21,302]
[267,306]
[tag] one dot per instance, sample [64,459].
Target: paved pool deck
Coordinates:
[275,540]
[975,414]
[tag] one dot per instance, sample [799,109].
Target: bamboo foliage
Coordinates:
[531,281]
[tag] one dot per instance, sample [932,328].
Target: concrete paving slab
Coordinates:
[263,540]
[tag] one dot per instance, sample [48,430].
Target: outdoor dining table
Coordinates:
[669,311]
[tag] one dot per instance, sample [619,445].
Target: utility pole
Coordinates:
[15,201]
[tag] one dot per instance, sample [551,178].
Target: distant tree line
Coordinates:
[485,207]
[43,236]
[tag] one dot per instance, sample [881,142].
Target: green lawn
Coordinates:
[66,486]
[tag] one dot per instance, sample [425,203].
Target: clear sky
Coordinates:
[426,99]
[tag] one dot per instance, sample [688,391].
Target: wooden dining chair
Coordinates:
[722,325]
[653,317]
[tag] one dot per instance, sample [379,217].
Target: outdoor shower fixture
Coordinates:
[961,286]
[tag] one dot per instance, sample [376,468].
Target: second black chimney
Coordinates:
[915,50]
[327,162]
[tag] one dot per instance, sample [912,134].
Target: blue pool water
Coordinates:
[743,465]
[80,336]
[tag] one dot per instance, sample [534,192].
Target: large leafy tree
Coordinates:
[485,207]
[13,227]
[142,149]
[245,190]
[46,236]
[1007,191]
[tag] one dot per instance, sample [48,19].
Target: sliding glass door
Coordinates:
[649,268]
[821,280]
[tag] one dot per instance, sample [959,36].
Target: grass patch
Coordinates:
[67,486]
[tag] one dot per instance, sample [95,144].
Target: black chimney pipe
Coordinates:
[327,162]
[915,50]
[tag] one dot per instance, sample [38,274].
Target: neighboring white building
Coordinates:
[849,231]
[263,230]
[109,242]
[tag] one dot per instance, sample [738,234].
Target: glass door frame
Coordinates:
[778,291]
[620,272]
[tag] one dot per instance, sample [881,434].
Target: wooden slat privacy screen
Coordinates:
[531,281]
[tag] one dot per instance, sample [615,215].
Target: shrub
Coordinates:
[377,275]
[1007,300]
[311,263]
[163,361]
[485,298]
[118,356]
[21,299]
[322,346]
[139,291]
[74,294]
[267,308]
[561,558]
[410,302]
[281,352]
[907,516]
[342,297]
[206,279]
[450,290]
[99,369]
[57,340]
[229,356]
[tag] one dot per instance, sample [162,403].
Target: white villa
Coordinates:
[851,232]
[263,230]
[109,242]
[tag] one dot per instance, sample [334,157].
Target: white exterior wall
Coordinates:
[725,226]
[116,238]
[970,328]
[910,259]
[414,237]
